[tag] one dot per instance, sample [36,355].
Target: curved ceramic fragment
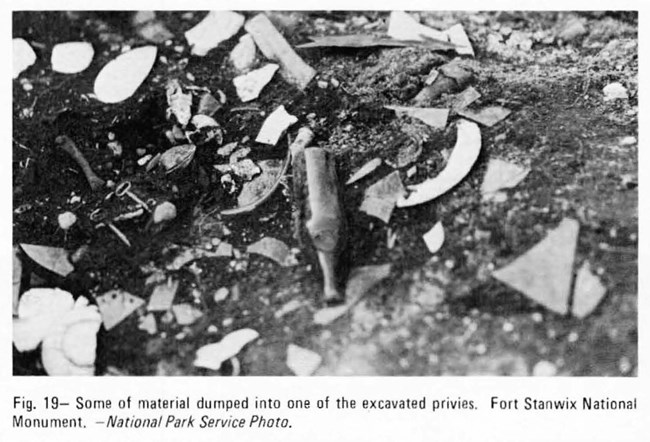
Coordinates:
[23,56]
[461,160]
[213,355]
[121,77]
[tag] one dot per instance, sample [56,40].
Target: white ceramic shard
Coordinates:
[436,118]
[54,259]
[501,174]
[163,296]
[401,26]
[216,27]
[242,56]
[273,249]
[186,314]
[250,85]
[121,77]
[544,272]
[117,305]
[179,103]
[274,126]
[72,57]
[435,237]
[587,293]
[458,37]
[380,198]
[364,171]
[461,160]
[301,361]
[23,56]
[213,355]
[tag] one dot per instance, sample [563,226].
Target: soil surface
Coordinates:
[439,314]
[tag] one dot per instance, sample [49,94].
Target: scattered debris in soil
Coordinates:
[192,178]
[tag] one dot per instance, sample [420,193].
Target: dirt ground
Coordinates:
[469,323]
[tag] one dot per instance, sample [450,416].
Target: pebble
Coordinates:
[624,365]
[221,294]
[323,84]
[212,329]
[481,349]
[537,317]
[544,368]
[615,91]
[573,336]
[628,141]
[508,327]
[67,220]
[227,322]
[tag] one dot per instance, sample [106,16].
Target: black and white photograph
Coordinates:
[325,193]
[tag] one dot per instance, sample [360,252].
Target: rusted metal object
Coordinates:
[68,146]
[317,207]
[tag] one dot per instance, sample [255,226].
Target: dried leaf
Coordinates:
[501,175]
[242,56]
[380,198]
[186,314]
[216,27]
[72,57]
[121,77]
[53,259]
[435,237]
[402,26]
[213,355]
[587,293]
[177,157]
[180,104]
[458,37]
[461,160]
[23,56]
[163,296]
[273,249]
[274,47]
[436,118]
[365,170]
[274,126]
[116,305]
[369,41]
[360,281]
[301,361]
[488,116]
[544,272]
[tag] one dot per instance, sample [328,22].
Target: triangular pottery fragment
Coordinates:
[116,305]
[587,293]
[53,259]
[544,272]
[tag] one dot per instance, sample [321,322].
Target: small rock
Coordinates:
[221,294]
[67,220]
[148,323]
[627,141]
[572,30]
[615,91]
[242,56]
[165,211]
[544,368]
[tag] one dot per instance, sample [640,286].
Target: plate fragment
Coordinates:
[544,272]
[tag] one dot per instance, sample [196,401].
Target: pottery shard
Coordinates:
[544,272]
[588,292]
